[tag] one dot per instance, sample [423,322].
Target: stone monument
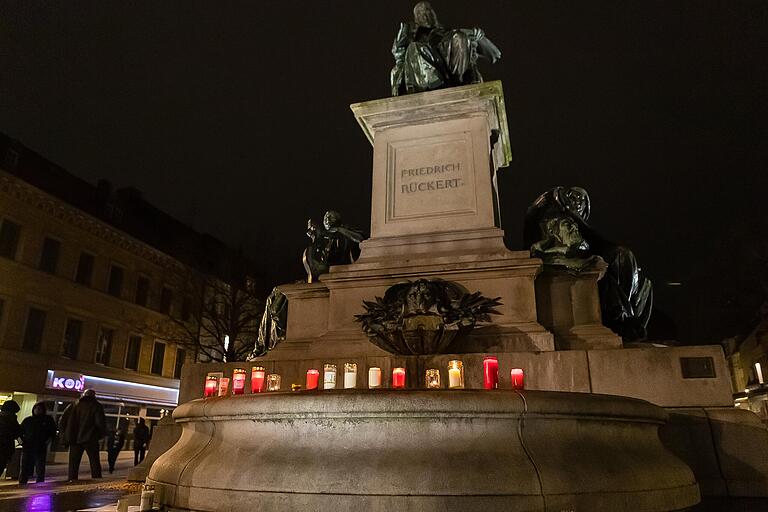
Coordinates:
[559,444]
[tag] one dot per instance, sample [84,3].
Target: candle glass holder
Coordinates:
[223,386]
[432,378]
[329,376]
[455,374]
[258,379]
[238,381]
[211,386]
[517,377]
[491,373]
[313,376]
[350,375]
[273,382]
[374,377]
[398,378]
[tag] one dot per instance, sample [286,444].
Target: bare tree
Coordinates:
[219,317]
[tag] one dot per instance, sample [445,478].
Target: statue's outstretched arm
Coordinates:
[399,48]
[486,49]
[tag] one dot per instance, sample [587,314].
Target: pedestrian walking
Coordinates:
[140,440]
[36,431]
[82,425]
[115,443]
[10,430]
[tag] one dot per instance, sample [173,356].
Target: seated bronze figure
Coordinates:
[429,56]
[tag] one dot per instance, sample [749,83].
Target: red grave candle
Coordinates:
[211,386]
[313,376]
[518,378]
[258,379]
[238,381]
[490,373]
[398,378]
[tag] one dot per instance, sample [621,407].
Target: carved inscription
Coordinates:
[431,177]
[434,177]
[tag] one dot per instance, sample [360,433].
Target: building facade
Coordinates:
[748,361]
[85,294]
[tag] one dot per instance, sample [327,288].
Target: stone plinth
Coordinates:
[434,160]
[569,305]
[422,450]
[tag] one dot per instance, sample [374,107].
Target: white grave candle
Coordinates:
[350,375]
[374,377]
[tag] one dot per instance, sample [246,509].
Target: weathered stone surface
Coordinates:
[655,374]
[164,435]
[422,450]
[434,160]
[726,448]
[569,305]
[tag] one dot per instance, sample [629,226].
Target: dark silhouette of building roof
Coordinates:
[122,208]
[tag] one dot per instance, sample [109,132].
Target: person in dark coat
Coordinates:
[36,431]
[82,425]
[9,432]
[115,443]
[140,440]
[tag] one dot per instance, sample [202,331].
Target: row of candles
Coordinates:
[261,381]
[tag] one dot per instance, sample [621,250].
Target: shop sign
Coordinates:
[66,381]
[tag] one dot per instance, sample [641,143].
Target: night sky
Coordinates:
[234,117]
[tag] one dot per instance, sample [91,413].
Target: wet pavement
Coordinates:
[56,495]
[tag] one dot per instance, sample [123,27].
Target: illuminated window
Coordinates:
[104,345]
[72,334]
[49,256]
[10,232]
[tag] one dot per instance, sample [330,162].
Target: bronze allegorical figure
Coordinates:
[332,244]
[556,230]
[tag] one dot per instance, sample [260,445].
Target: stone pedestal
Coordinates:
[569,305]
[434,215]
[434,160]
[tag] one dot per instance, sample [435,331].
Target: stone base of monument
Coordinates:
[727,449]
[164,435]
[422,450]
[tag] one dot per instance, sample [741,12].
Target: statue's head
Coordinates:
[420,297]
[576,200]
[331,219]
[424,15]
[567,232]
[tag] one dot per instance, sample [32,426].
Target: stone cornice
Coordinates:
[60,210]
